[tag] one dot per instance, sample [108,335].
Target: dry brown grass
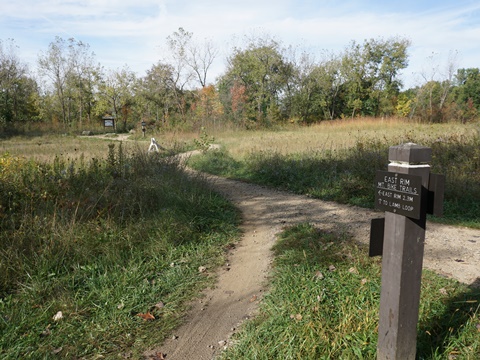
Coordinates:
[327,135]
[333,135]
[47,147]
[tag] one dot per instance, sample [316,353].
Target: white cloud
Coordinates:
[134,32]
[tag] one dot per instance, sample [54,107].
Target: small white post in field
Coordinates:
[153,145]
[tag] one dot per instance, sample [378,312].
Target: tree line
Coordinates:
[264,83]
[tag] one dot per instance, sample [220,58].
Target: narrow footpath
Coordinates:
[450,251]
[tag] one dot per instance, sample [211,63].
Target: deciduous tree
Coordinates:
[158,89]
[70,73]
[316,89]
[18,91]
[467,94]
[265,74]
[117,92]
[371,73]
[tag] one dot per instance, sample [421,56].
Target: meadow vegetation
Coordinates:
[337,160]
[324,296]
[99,257]
[101,243]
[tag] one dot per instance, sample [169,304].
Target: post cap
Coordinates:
[410,153]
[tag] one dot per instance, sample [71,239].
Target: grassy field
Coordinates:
[336,135]
[101,243]
[99,258]
[338,160]
[324,300]
[44,148]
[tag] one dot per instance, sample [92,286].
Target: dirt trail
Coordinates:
[451,251]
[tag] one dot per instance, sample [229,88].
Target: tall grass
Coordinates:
[332,135]
[44,148]
[102,241]
[346,174]
[324,299]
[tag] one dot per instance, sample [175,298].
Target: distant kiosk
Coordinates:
[109,123]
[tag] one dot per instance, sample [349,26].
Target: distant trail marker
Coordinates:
[405,192]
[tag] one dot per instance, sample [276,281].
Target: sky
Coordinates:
[134,32]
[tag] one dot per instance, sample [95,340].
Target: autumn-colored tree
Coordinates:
[238,99]
[262,69]
[207,106]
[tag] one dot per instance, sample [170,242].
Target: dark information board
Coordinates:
[398,193]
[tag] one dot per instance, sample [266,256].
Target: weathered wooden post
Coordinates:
[407,192]
[404,197]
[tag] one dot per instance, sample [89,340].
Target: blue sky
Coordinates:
[134,32]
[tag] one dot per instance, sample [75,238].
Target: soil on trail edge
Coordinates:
[450,251]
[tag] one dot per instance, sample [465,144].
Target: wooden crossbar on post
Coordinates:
[402,261]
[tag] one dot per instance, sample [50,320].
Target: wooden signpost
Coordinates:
[405,193]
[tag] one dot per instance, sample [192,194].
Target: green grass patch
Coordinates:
[102,242]
[324,301]
[347,175]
